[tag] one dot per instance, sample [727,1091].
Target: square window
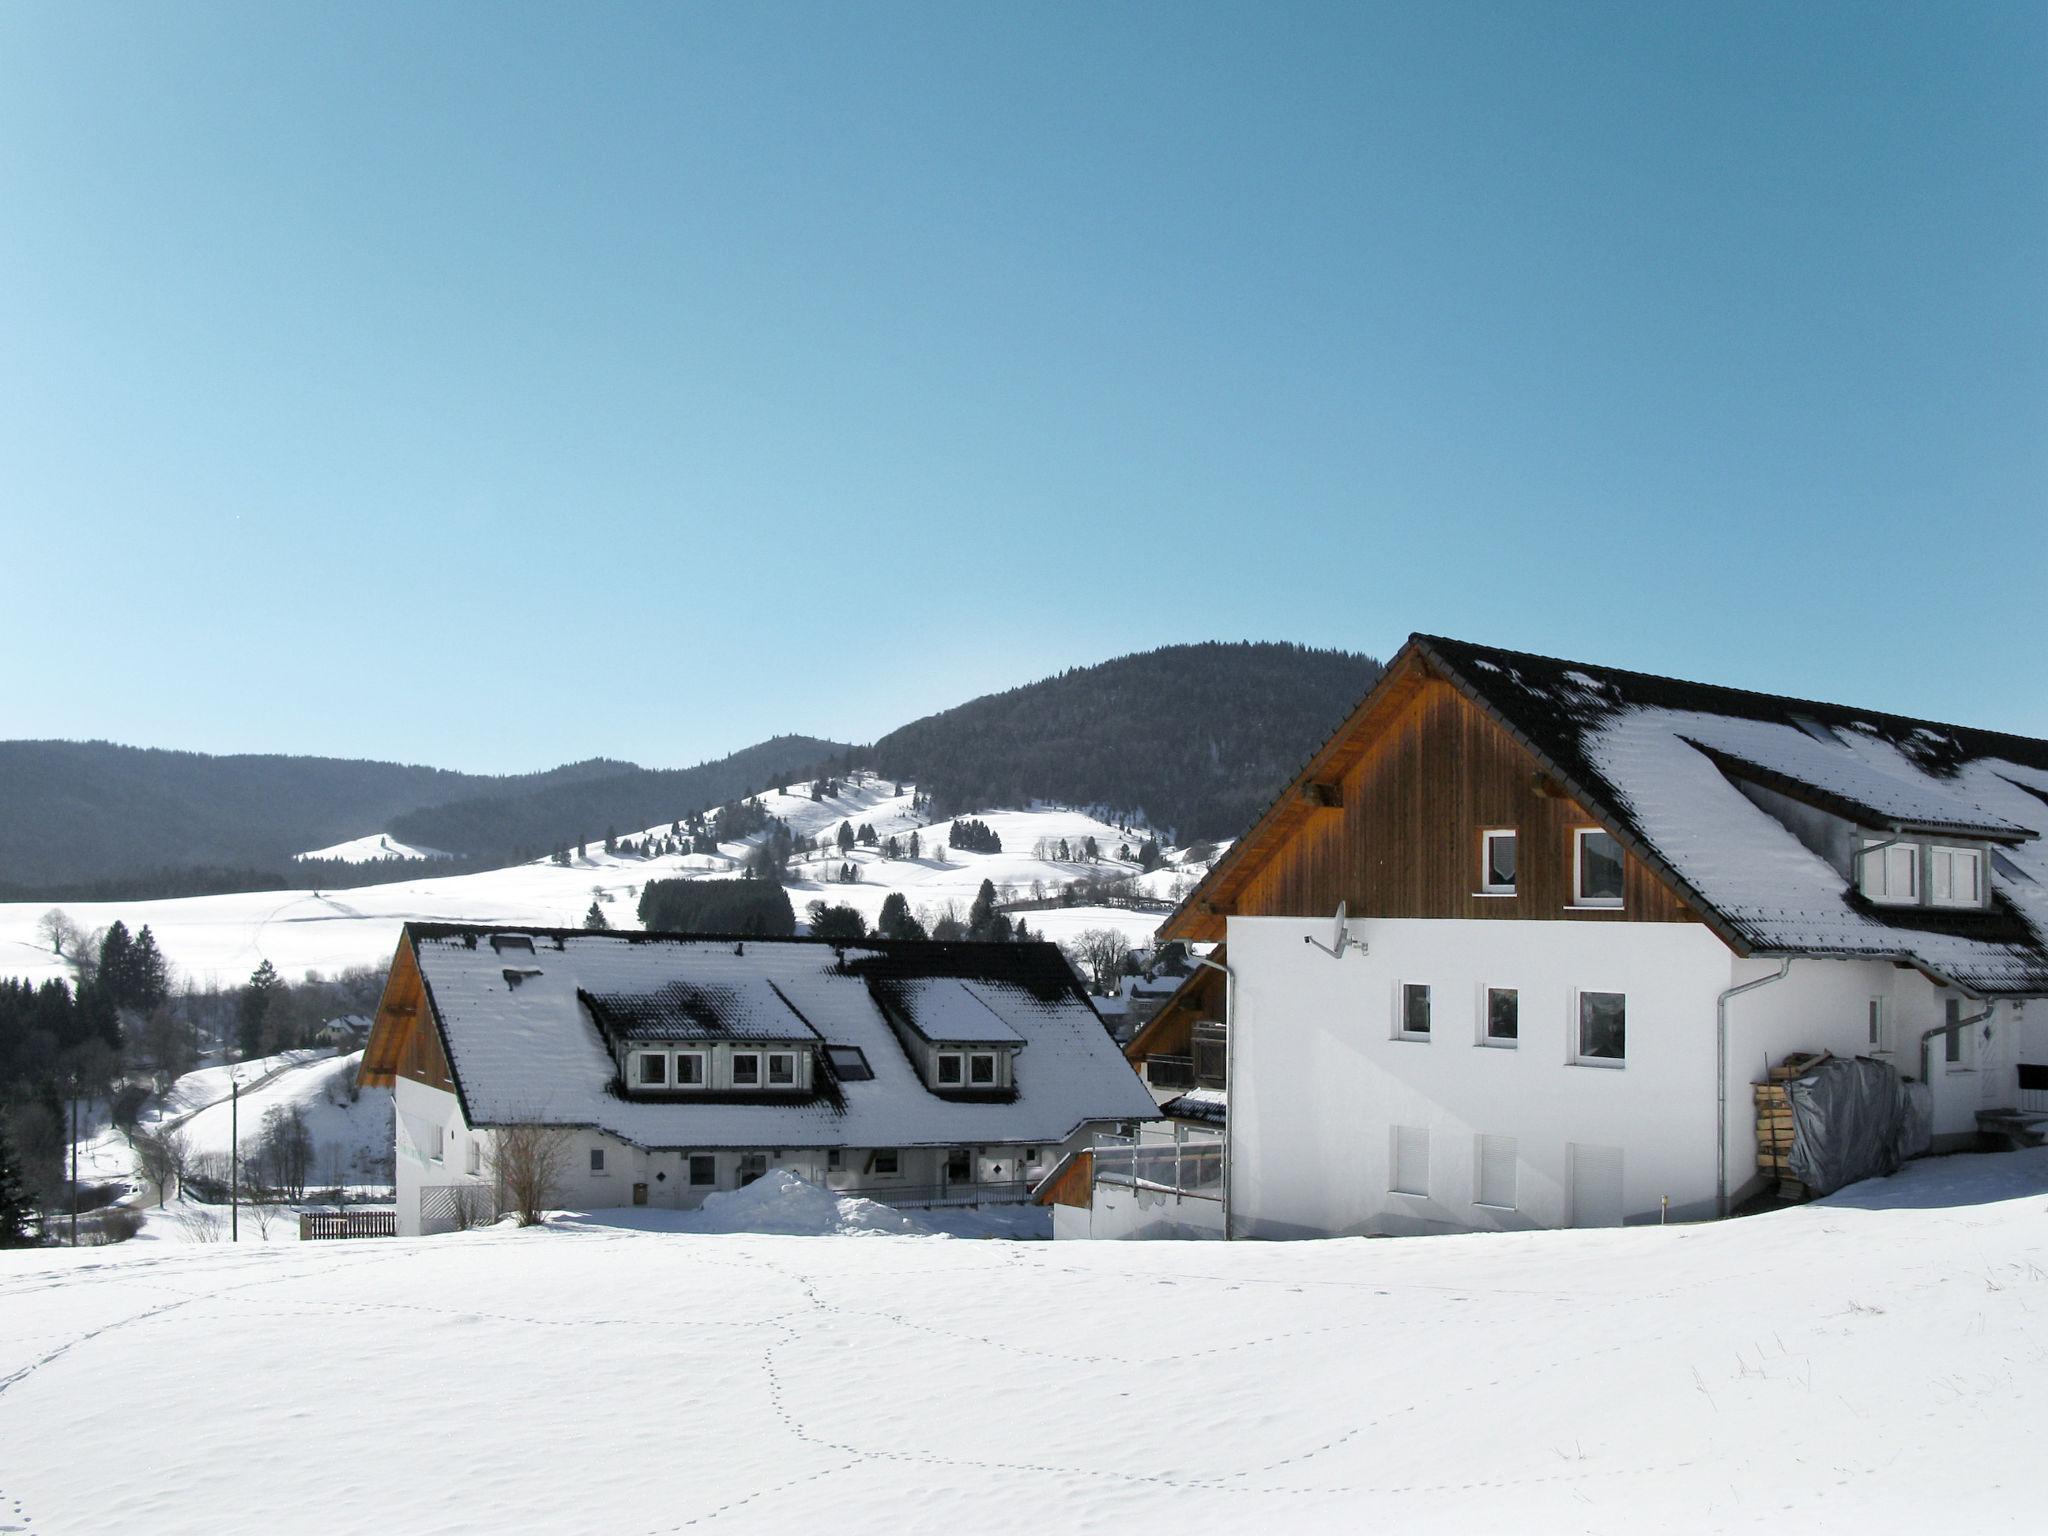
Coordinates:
[752,1166]
[885,1160]
[1955,877]
[1889,871]
[1603,1027]
[981,1070]
[1503,1015]
[703,1169]
[1497,863]
[959,1166]
[690,1069]
[1598,863]
[597,1159]
[653,1069]
[835,1160]
[1410,1158]
[950,1069]
[781,1069]
[1414,1021]
[746,1069]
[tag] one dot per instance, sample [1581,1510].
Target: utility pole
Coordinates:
[234,1159]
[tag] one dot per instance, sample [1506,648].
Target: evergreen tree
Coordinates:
[15,1208]
[593,920]
[152,973]
[117,964]
[915,852]
[1022,934]
[982,917]
[846,837]
[830,922]
[611,839]
[253,1007]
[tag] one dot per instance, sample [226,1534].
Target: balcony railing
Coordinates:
[1170,1071]
[1191,1169]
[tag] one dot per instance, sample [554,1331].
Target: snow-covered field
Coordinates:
[1873,1363]
[223,938]
[370,849]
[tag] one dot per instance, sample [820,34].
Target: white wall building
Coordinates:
[677,1067]
[1585,911]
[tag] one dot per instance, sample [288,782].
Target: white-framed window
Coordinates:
[1501,1021]
[1408,1160]
[1879,1027]
[1493,1172]
[689,1069]
[1955,877]
[650,1069]
[1601,1036]
[835,1160]
[1889,871]
[885,1161]
[1596,868]
[981,1069]
[597,1159]
[473,1160]
[1497,861]
[746,1069]
[952,1069]
[782,1069]
[1411,1017]
[703,1169]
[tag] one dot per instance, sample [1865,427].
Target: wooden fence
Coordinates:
[321,1226]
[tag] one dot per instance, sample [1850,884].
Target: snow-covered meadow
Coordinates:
[1871,1363]
[224,938]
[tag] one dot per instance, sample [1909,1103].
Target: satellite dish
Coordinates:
[1340,935]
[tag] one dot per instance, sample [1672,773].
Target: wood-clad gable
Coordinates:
[1387,817]
[404,1040]
[1171,1031]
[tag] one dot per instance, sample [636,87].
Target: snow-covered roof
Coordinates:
[1663,760]
[533,1049]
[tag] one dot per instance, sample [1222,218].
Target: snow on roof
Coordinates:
[1662,758]
[945,1010]
[748,1009]
[535,1051]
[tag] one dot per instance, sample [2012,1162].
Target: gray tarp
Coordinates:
[1852,1119]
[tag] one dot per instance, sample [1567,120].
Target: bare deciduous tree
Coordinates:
[527,1160]
[162,1156]
[1101,951]
[57,930]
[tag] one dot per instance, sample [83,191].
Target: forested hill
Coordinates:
[1196,737]
[496,825]
[73,811]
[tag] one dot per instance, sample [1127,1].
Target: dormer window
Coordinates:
[782,1069]
[746,1069]
[960,1069]
[951,1067]
[1890,871]
[1497,863]
[652,1069]
[1955,877]
[1596,864]
[981,1069]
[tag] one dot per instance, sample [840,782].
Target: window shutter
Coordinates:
[1496,1181]
[1411,1160]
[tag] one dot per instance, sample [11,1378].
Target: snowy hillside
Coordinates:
[370,850]
[1871,1363]
[225,937]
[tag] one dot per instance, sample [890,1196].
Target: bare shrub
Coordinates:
[470,1205]
[118,1223]
[527,1160]
[202,1226]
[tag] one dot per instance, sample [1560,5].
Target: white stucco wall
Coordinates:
[1320,1080]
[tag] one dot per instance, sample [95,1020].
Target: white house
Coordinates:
[1585,910]
[913,1072]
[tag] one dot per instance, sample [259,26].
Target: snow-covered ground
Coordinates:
[368,850]
[223,938]
[1872,1363]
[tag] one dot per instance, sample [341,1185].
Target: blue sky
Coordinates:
[491,385]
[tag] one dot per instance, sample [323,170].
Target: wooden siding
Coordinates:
[1171,1031]
[404,1040]
[1074,1184]
[1402,836]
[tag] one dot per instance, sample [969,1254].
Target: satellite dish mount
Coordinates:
[1340,936]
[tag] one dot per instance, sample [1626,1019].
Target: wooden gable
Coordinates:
[404,1039]
[1387,818]
[1171,1031]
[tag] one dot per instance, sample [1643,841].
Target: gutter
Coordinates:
[1721,1077]
[1960,1023]
[1229,1069]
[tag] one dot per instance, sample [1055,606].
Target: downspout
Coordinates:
[1721,1077]
[1960,1023]
[1229,1072]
